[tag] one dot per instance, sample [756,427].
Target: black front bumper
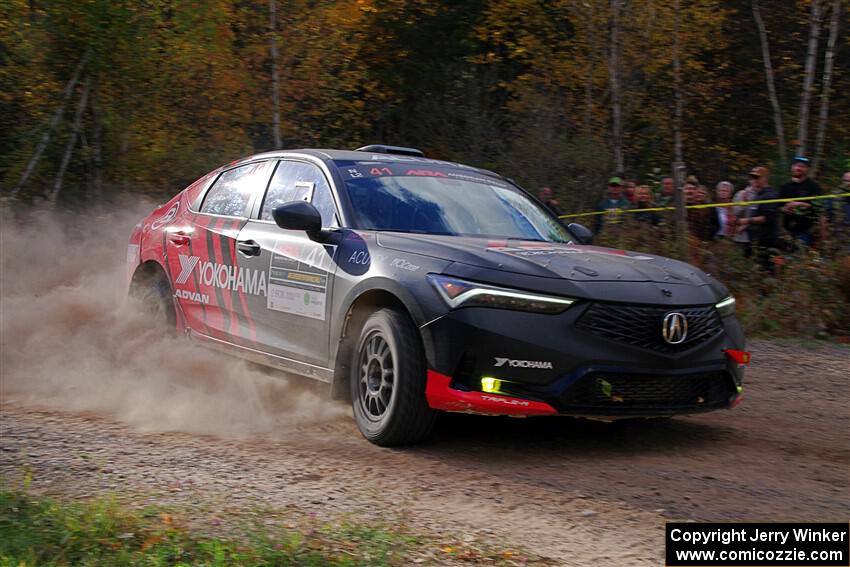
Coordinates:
[591,373]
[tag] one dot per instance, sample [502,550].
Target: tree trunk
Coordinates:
[275,85]
[681,218]
[809,76]
[72,141]
[51,125]
[616,95]
[588,89]
[97,142]
[829,58]
[677,88]
[771,85]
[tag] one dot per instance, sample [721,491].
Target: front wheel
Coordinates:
[388,381]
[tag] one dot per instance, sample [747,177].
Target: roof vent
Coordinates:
[398,150]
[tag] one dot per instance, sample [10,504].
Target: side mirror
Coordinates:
[581,232]
[299,215]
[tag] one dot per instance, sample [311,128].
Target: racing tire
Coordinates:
[154,298]
[388,381]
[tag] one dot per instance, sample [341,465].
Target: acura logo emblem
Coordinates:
[674,328]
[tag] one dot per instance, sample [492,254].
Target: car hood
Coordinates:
[574,262]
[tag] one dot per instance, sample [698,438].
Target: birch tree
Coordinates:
[771,85]
[809,74]
[51,125]
[829,59]
[616,94]
[681,219]
[72,141]
[275,85]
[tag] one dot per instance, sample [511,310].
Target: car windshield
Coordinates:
[422,197]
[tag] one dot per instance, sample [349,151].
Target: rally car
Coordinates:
[414,286]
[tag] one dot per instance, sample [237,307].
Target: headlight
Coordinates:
[726,307]
[461,293]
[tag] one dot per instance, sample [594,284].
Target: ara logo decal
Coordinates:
[243,280]
[167,217]
[539,364]
[532,250]
[508,401]
[192,296]
[425,173]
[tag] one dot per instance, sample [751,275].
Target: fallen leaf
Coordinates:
[153,540]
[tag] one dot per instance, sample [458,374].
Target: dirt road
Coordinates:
[580,493]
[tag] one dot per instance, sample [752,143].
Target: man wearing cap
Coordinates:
[762,222]
[800,217]
[613,205]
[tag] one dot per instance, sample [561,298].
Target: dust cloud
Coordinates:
[69,341]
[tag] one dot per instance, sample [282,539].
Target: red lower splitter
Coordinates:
[442,396]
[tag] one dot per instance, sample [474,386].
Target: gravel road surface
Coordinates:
[577,492]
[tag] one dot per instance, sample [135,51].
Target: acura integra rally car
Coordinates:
[414,286]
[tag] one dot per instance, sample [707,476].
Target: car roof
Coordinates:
[352,155]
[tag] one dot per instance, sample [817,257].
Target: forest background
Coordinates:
[100,97]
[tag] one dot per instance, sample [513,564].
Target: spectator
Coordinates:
[668,188]
[547,197]
[699,220]
[762,224]
[799,217]
[629,191]
[643,200]
[758,177]
[689,190]
[612,205]
[723,218]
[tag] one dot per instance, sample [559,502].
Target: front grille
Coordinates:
[609,391]
[640,326]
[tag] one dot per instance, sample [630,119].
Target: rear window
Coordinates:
[233,189]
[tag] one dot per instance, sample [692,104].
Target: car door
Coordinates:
[208,284]
[292,319]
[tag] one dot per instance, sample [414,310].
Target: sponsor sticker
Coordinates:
[240,279]
[514,363]
[169,216]
[298,280]
[360,257]
[192,296]
[297,301]
[403,264]
[550,250]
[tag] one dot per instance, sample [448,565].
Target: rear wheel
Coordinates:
[152,295]
[388,381]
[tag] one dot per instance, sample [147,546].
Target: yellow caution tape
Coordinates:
[707,205]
